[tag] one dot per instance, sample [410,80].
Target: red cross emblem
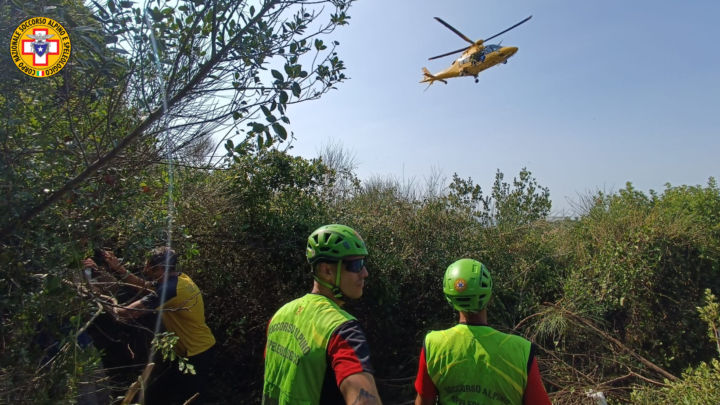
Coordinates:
[53,48]
[460,285]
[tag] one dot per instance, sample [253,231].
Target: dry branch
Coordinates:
[138,385]
[581,320]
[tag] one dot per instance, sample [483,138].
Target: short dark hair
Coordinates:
[162,256]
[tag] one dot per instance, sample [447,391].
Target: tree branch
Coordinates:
[139,130]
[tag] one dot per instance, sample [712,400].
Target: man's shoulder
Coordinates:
[289,307]
[349,327]
[177,285]
[168,284]
[463,329]
[445,332]
[321,310]
[184,281]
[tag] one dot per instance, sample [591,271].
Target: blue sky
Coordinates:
[600,93]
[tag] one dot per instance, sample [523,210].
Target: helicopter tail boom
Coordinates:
[430,78]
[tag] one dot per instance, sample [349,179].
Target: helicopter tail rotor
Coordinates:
[428,77]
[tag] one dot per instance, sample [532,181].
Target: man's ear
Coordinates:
[325,271]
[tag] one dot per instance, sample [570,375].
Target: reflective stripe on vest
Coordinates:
[477,365]
[296,352]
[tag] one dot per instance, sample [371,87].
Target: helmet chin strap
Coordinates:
[336,288]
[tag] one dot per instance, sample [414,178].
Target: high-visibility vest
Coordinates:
[477,365]
[296,351]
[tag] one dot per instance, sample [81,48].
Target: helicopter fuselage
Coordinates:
[475,60]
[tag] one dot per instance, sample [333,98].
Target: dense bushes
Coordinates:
[700,385]
[609,295]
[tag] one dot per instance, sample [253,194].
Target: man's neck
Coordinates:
[326,292]
[474,318]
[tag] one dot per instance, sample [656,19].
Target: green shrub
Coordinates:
[698,386]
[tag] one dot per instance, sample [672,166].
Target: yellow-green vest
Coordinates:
[296,351]
[477,365]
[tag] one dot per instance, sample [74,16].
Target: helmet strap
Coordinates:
[338,293]
[335,288]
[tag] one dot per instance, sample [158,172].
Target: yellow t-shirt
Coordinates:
[187,320]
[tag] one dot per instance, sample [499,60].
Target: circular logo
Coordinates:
[460,285]
[40,47]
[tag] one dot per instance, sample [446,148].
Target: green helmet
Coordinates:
[467,285]
[333,242]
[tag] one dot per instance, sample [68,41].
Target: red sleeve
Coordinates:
[423,384]
[348,351]
[535,393]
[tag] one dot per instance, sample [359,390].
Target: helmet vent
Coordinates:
[482,297]
[315,237]
[324,249]
[339,239]
[484,285]
[335,251]
[462,299]
[358,245]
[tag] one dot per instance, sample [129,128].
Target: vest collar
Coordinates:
[473,324]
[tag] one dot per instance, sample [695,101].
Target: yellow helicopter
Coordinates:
[475,58]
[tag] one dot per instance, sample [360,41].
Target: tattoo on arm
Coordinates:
[365,398]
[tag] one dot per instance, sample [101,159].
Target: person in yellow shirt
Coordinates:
[180,305]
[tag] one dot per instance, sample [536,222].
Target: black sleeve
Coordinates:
[350,342]
[163,293]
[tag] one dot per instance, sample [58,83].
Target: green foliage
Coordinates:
[699,385]
[710,314]
[642,263]
[522,203]
[90,156]
[628,258]
[634,265]
[509,205]
[165,343]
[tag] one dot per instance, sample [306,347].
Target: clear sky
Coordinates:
[600,93]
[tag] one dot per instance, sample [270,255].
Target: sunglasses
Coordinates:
[354,266]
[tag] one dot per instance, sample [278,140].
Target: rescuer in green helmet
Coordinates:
[317,353]
[472,363]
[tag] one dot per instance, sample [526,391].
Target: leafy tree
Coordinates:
[508,205]
[699,385]
[177,72]
[90,157]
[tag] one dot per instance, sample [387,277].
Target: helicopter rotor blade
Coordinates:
[514,26]
[449,53]
[451,28]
